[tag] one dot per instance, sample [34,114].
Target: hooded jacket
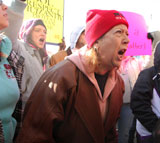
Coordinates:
[66,106]
[33,64]
[145,97]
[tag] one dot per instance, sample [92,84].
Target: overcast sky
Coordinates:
[75,11]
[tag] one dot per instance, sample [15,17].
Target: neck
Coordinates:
[101,70]
[32,46]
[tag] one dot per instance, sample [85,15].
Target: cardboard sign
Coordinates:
[51,12]
[139,43]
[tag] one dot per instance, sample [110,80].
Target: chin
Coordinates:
[40,47]
[4,26]
[117,65]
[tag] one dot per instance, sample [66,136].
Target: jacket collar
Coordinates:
[87,106]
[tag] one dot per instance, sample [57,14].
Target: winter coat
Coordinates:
[145,98]
[33,67]
[64,108]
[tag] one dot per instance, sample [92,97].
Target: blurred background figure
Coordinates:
[145,100]
[33,35]
[145,61]
[29,41]
[11,71]
[155,37]
[33,39]
[77,40]
[62,45]
[129,71]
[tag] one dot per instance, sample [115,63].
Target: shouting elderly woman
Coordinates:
[79,100]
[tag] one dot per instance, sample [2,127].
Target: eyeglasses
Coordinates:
[1,2]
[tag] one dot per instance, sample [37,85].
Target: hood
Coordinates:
[78,59]
[157,57]
[75,34]
[24,32]
[27,27]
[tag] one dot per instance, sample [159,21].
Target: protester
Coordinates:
[155,37]
[129,71]
[77,40]
[31,46]
[11,70]
[147,61]
[62,45]
[145,100]
[79,99]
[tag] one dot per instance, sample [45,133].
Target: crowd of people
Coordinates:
[87,92]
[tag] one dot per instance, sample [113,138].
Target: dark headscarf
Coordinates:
[157,58]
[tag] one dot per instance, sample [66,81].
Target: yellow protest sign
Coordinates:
[51,12]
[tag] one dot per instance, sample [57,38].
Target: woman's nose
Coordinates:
[4,7]
[127,40]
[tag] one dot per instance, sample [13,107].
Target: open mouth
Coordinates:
[41,40]
[122,52]
[5,15]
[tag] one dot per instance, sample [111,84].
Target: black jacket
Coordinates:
[142,93]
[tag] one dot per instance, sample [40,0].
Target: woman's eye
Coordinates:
[119,31]
[37,30]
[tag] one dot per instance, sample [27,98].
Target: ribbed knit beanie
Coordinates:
[99,22]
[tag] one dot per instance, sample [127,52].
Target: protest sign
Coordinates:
[51,12]
[139,43]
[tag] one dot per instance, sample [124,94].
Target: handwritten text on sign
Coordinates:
[51,12]
[139,43]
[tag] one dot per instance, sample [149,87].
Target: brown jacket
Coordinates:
[59,56]
[64,109]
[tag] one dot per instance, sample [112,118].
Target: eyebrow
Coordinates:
[39,29]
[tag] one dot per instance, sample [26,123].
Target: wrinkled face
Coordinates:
[38,36]
[112,47]
[3,16]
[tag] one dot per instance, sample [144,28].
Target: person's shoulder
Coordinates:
[61,54]
[21,45]
[62,72]
[146,76]
[64,69]
[64,66]
[58,57]
[148,71]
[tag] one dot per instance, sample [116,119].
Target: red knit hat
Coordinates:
[99,22]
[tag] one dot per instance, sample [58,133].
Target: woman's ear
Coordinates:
[96,46]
